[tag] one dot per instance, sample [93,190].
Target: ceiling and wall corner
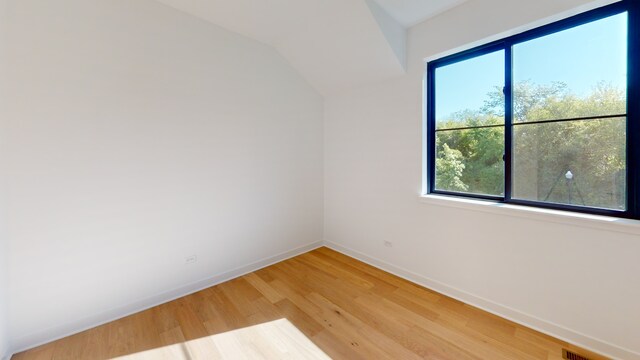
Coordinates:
[515,267]
[334,44]
[100,176]
[411,12]
[394,32]
[133,137]
[74,131]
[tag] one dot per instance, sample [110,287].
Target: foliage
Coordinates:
[470,160]
[449,168]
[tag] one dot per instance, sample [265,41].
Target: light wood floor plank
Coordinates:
[318,305]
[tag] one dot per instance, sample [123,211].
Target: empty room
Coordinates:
[319,179]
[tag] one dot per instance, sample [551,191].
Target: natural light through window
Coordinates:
[536,119]
[569,141]
[278,339]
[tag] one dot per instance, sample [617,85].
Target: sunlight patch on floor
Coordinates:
[278,339]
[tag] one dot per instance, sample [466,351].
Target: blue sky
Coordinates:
[581,57]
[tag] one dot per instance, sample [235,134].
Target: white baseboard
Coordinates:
[544,326]
[549,328]
[74,327]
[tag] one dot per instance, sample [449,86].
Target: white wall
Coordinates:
[4,270]
[579,283]
[4,296]
[137,136]
[4,334]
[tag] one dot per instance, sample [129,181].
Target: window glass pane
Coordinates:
[579,72]
[571,162]
[469,93]
[470,161]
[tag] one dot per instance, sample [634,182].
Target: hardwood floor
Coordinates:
[348,309]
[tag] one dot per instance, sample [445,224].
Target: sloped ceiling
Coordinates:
[334,44]
[412,12]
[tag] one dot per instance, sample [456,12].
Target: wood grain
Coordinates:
[315,305]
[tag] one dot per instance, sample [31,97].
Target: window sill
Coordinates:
[606,223]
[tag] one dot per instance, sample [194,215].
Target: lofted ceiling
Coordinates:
[334,44]
[412,12]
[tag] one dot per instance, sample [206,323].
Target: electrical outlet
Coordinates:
[388,244]
[191,259]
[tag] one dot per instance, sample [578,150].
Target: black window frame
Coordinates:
[632,8]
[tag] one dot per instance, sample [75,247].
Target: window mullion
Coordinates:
[431,128]
[560,146]
[633,110]
[508,119]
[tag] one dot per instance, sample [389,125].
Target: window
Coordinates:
[544,118]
